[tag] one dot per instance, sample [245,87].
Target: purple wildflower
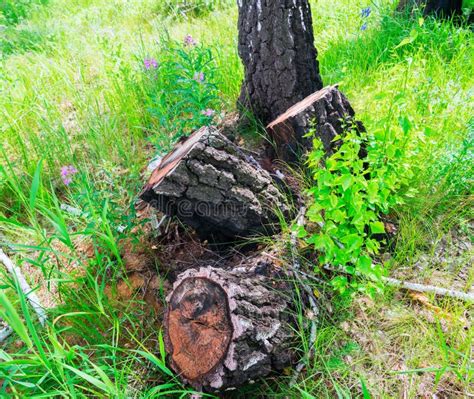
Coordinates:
[208,112]
[365,12]
[66,174]
[199,77]
[189,41]
[150,63]
[364,26]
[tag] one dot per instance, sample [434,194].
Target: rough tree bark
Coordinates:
[227,327]
[327,111]
[212,186]
[276,45]
[438,8]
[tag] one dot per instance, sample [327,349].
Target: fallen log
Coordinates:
[224,328]
[327,111]
[211,185]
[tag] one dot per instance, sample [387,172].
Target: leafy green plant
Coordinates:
[349,196]
[181,95]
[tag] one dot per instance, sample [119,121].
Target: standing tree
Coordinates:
[439,8]
[276,45]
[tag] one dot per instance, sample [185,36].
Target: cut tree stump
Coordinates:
[211,185]
[224,328]
[328,111]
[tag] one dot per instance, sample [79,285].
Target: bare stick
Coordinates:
[294,238]
[393,282]
[5,333]
[25,287]
[296,271]
[429,288]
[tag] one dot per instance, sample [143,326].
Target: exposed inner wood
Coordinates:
[299,107]
[225,327]
[327,112]
[171,161]
[199,327]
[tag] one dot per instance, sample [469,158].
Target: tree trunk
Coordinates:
[224,328]
[438,8]
[327,111]
[276,45]
[212,186]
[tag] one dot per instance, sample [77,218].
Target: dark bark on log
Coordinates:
[327,111]
[224,328]
[212,186]
[276,45]
[438,8]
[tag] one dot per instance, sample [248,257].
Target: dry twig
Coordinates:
[297,273]
[24,286]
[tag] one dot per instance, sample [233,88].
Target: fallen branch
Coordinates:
[393,282]
[24,286]
[429,288]
[5,333]
[312,300]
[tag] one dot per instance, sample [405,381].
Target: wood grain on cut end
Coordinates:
[225,327]
[300,107]
[199,327]
[327,112]
[170,161]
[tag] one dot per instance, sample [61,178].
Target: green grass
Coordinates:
[74,91]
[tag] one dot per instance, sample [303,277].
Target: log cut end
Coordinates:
[199,327]
[327,111]
[224,328]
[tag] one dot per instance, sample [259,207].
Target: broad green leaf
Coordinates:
[377,228]
[364,265]
[346,181]
[408,40]
[405,124]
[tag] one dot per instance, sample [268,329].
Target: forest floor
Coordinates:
[92,91]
